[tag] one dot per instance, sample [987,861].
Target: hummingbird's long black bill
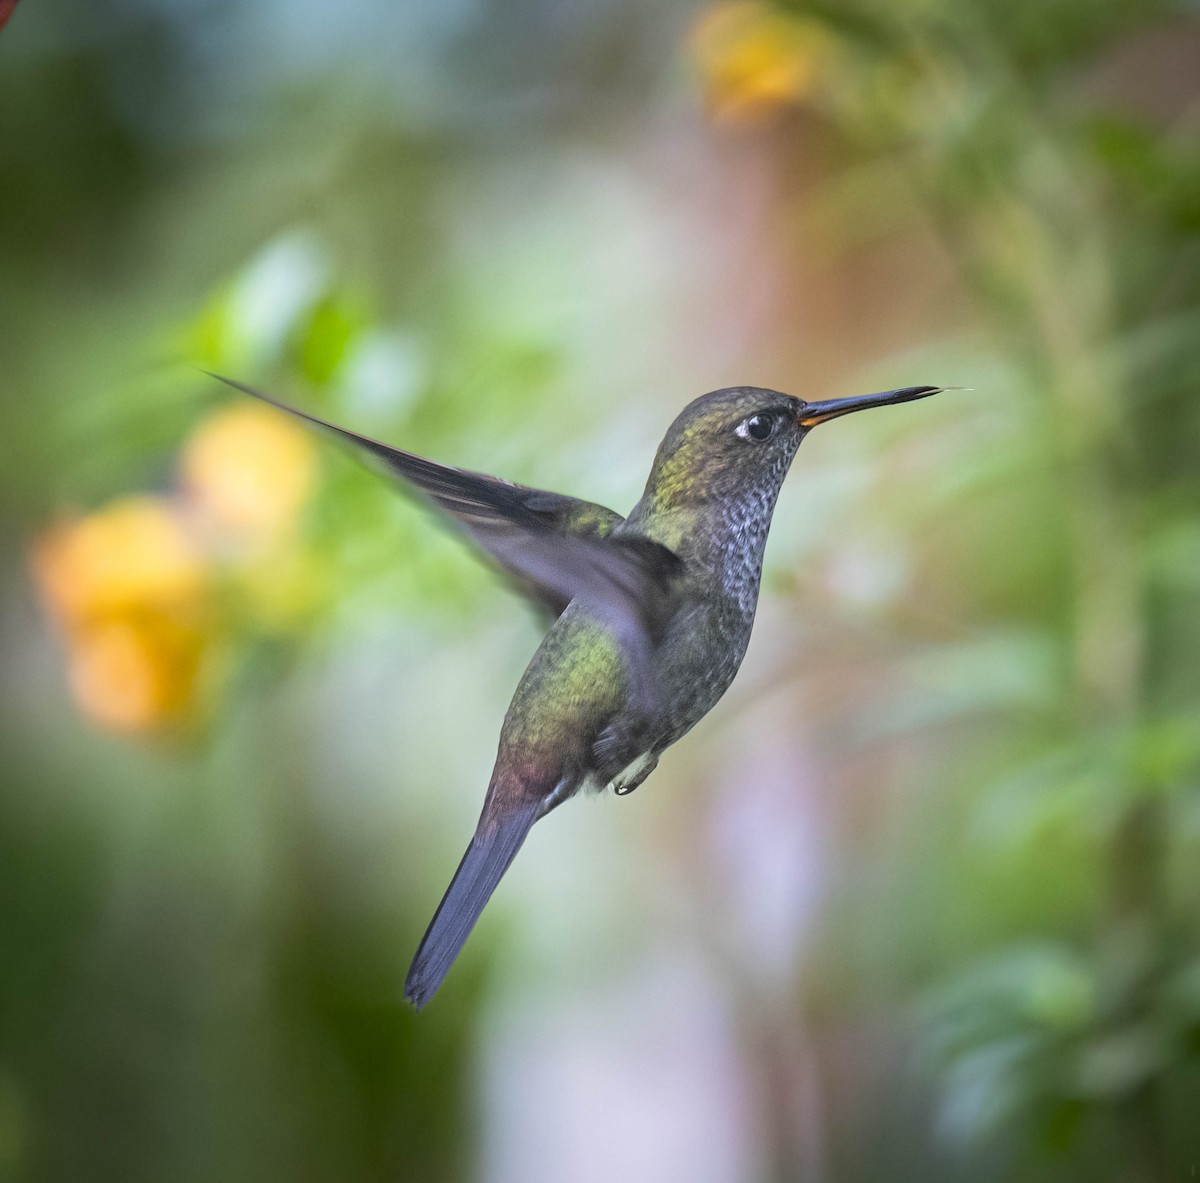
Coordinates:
[813,413]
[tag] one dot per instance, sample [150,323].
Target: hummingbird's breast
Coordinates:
[575,692]
[707,639]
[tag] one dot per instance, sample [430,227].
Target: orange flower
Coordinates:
[133,553]
[128,589]
[138,673]
[754,59]
[133,588]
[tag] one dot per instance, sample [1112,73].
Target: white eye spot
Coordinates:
[757,428]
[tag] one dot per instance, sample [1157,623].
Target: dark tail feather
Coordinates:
[493,848]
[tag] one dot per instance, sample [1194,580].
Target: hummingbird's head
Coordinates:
[741,441]
[724,444]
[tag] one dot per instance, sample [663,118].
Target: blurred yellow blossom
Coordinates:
[136,673]
[755,59]
[128,587]
[134,588]
[134,553]
[248,470]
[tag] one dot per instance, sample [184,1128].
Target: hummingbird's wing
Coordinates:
[555,548]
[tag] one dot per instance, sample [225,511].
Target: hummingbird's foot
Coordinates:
[634,775]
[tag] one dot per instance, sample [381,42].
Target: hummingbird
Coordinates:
[650,614]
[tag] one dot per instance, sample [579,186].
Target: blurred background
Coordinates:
[919,900]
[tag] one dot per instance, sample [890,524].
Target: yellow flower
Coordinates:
[754,59]
[133,553]
[136,673]
[133,588]
[248,470]
[128,589]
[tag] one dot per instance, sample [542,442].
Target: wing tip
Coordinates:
[250,390]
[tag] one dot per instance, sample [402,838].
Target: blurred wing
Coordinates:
[556,548]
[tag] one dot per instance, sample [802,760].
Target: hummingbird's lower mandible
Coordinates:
[651,614]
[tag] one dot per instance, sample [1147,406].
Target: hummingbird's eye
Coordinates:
[757,427]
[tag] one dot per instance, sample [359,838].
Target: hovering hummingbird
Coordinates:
[651,614]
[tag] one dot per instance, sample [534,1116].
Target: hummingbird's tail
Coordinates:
[495,845]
